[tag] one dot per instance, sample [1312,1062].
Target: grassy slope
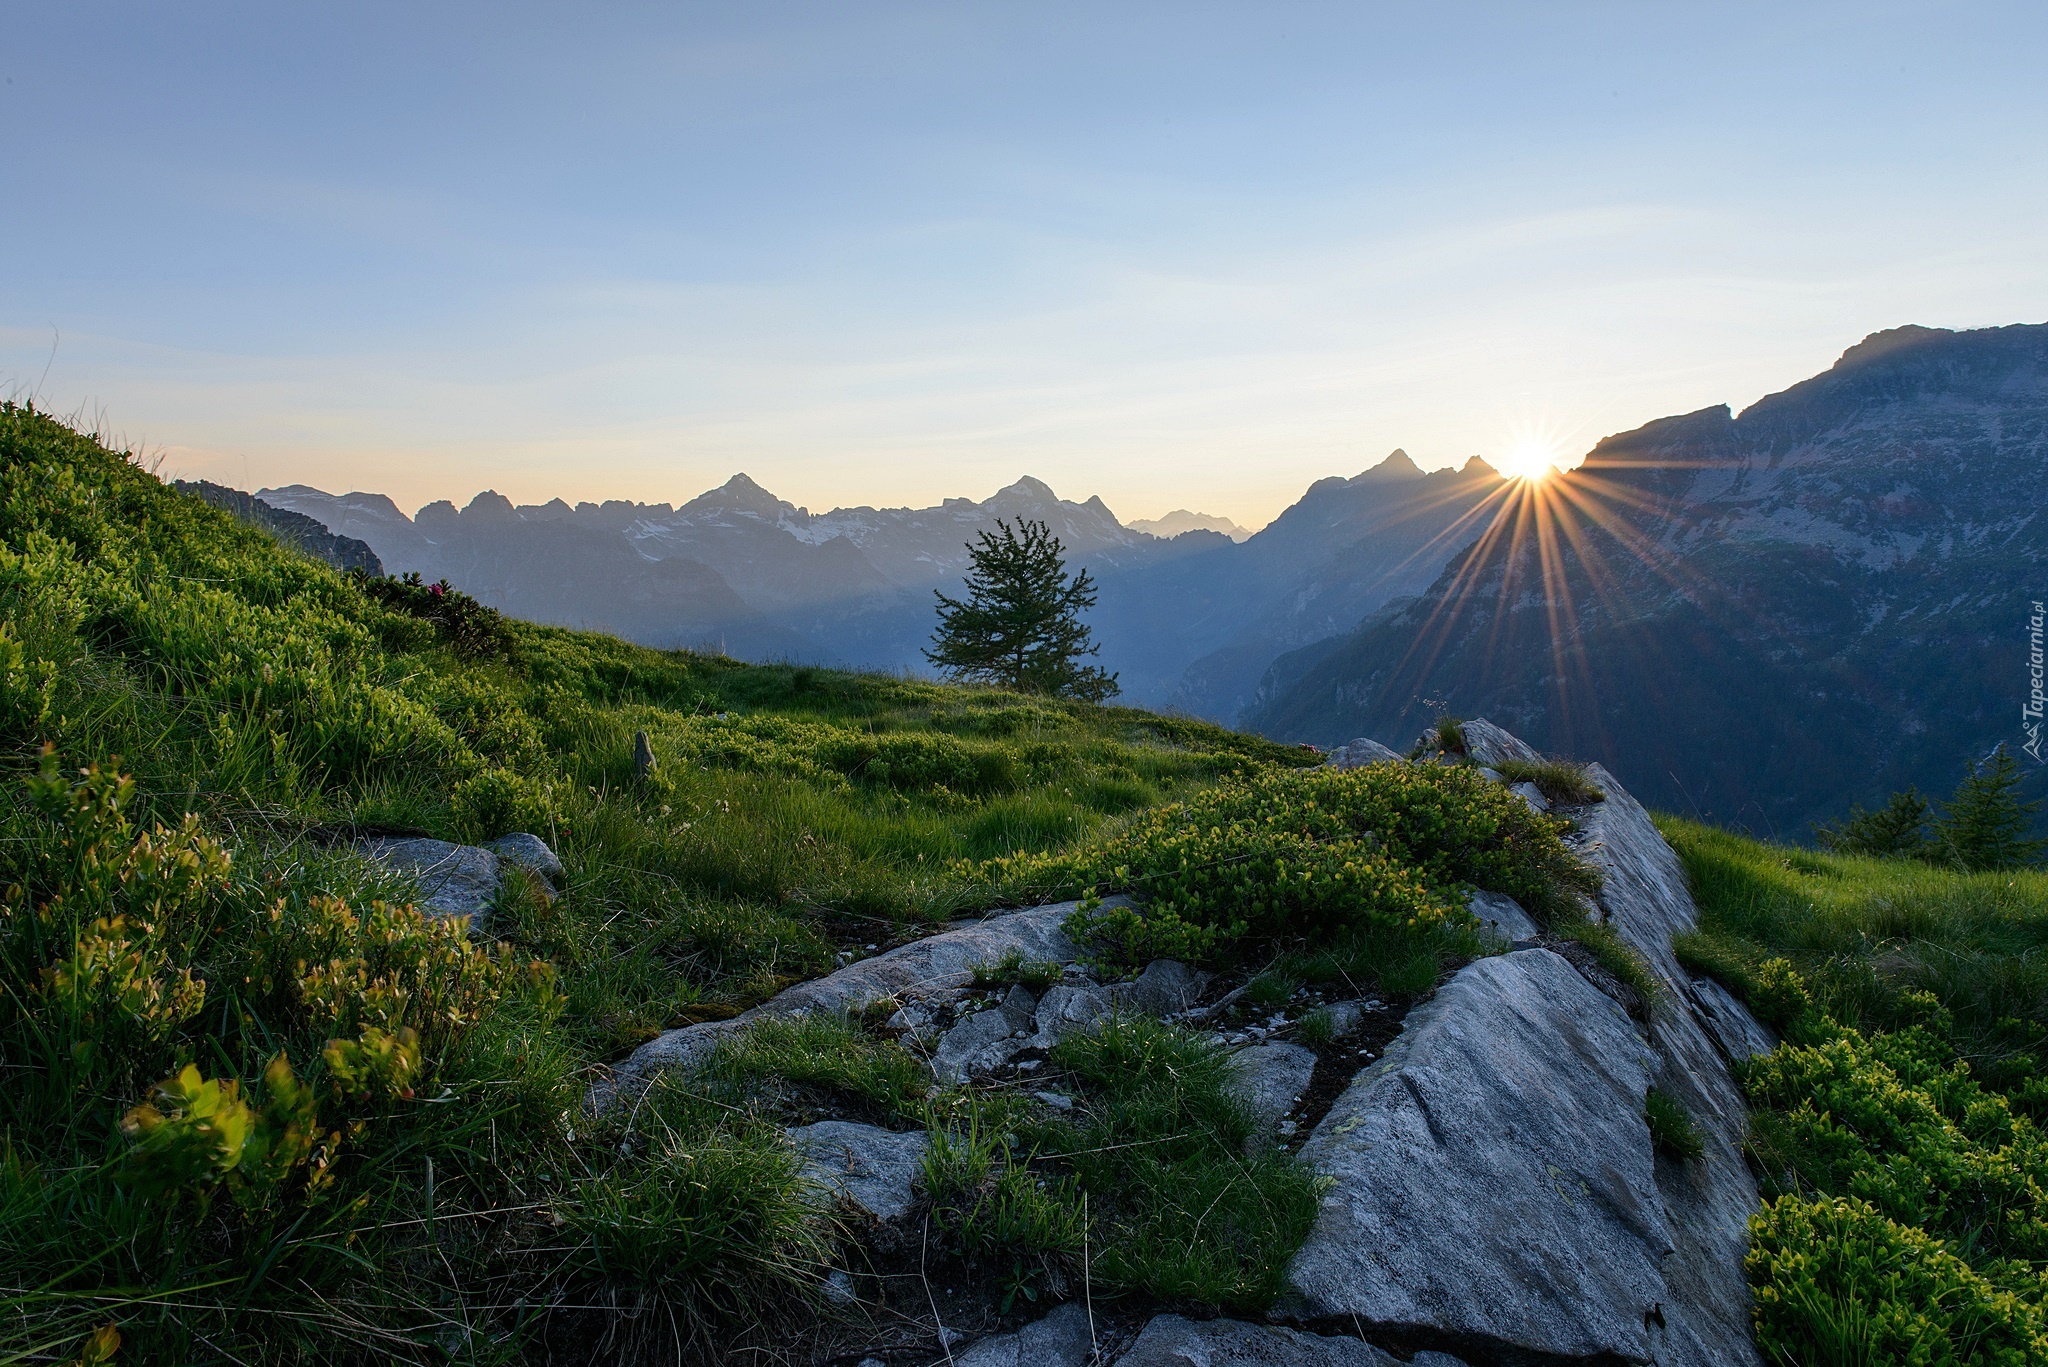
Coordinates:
[796,814]
[1897,1131]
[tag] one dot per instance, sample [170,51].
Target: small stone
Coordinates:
[643,756]
[873,1168]
[531,853]
[839,1287]
[1532,795]
[1288,1129]
[1061,1339]
[1504,916]
[1273,1077]
[1059,1101]
[1172,1341]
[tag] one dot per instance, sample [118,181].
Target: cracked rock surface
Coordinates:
[1493,1180]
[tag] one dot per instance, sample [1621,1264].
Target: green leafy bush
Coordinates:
[1313,852]
[1838,1284]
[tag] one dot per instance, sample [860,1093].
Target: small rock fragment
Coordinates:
[1061,1339]
[643,756]
[1171,1341]
[1504,915]
[1532,795]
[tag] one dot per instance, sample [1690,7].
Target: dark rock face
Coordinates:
[1839,575]
[296,530]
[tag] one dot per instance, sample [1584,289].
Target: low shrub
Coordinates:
[1312,853]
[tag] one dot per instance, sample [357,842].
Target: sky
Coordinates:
[1177,255]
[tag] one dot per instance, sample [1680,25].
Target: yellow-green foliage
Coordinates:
[1897,1128]
[1838,1284]
[1282,854]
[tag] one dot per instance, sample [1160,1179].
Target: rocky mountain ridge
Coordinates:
[1192,618]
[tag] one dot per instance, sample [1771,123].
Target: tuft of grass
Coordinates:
[1317,1028]
[1558,780]
[1014,968]
[1615,955]
[1672,1129]
[824,1052]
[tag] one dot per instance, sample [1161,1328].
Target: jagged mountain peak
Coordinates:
[740,494]
[1397,465]
[1028,486]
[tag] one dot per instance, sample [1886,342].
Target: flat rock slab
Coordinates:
[937,964]
[1172,1341]
[875,1169]
[1273,1076]
[1061,1339]
[1492,1176]
[1504,916]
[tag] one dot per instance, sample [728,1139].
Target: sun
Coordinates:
[1530,460]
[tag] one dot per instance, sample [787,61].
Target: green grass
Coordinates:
[1672,1130]
[1557,780]
[1158,1167]
[1896,1131]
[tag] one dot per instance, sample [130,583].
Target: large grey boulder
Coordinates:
[1166,987]
[982,1043]
[936,965]
[1066,1008]
[1272,1077]
[1172,1341]
[1493,1181]
[876,1170]
[1485,744]
[1359,753]
[1061,1339]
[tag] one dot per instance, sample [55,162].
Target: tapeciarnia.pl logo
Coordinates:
[2030,713]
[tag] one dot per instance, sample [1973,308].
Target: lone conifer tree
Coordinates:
[1984,826]
[1021,625]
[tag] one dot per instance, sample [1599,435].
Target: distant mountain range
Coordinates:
[1191,620]
[1760,618]
[1181,520]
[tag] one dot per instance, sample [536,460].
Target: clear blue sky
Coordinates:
[1178,255]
